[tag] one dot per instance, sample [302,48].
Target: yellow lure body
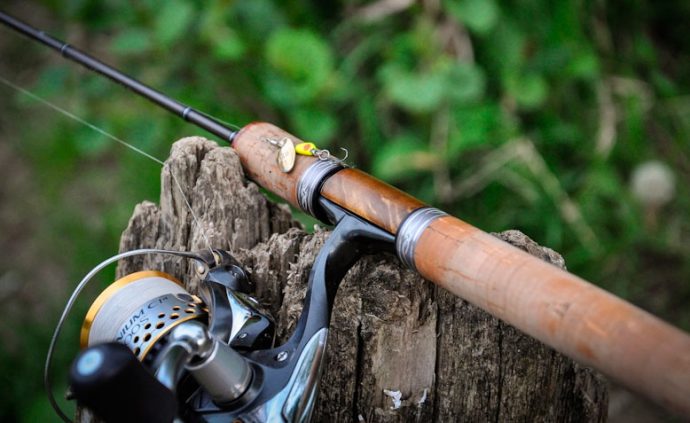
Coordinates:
[305,148]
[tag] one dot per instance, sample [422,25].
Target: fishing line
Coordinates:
[225,122]
[46,374]
[116,139]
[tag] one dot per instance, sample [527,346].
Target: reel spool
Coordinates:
[149,342]
[138,310]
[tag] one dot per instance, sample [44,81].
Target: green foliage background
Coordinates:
[529,115]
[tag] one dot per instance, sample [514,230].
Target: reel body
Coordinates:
[214,352]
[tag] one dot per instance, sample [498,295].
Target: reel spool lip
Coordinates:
[113,288]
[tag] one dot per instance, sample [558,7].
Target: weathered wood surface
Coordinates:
[391,331]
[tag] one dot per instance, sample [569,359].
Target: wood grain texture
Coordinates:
[259,159]
[370,198]
[391,330]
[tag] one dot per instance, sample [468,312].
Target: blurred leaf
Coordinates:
[549,60]
[51,81]
[506,48]
[465,83]
[606,182]
[372,139]
[475,127]
[529,91]
[417,93]
[402,158]
[280,91]
[401,50]
[228,46]
[144,133]
[302,58]
[90,143]
[645,50]
[259,17]
[216,30]
[631,132]
[173,20]
[584,65]
[480,16]
[314,125]
[131,41]
[560,131]
[95,88]
[663,84]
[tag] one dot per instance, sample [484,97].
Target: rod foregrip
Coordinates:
[259,158]
[560,309]
[361,194]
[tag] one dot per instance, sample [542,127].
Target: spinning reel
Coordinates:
[156,353]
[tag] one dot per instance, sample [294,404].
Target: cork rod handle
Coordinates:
[565,312]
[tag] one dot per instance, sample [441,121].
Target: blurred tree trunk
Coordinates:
[399,348]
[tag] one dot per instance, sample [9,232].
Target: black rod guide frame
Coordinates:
[185,112]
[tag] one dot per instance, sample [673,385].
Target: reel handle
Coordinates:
[108,379]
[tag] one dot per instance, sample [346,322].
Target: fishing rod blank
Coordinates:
[185,112]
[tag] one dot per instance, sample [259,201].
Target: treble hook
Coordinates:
[326,155]
[347,154]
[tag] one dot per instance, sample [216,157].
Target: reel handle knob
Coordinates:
[108,379]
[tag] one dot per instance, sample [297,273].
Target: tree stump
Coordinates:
[399,348]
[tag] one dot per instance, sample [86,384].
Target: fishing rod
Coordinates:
[181,110]
[571,315]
